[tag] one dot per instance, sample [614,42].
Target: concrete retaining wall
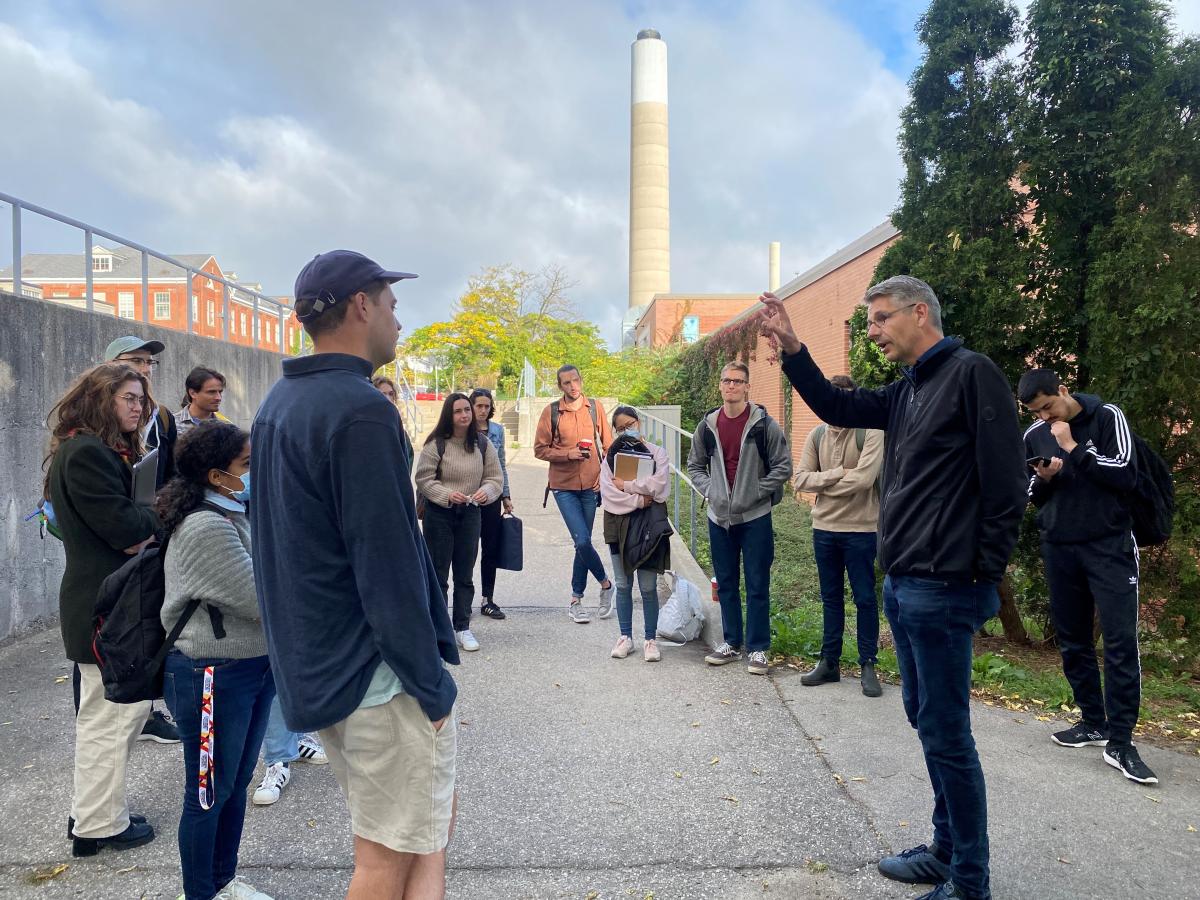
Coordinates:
[43,347]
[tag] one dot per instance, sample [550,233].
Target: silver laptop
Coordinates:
[145,478]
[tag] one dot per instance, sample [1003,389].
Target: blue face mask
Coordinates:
[634,434]
[244,493]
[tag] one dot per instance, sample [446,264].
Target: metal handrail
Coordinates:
[90,232]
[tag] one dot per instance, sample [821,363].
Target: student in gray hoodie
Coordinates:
[740,462]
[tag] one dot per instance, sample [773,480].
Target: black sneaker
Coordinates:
[492,611]
[1126,759]
[1080,736]
[947,890]
[918,865]
[160,729]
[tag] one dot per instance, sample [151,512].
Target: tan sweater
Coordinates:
[843,479]
[462,470]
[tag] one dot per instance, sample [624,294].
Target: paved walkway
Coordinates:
[586,777]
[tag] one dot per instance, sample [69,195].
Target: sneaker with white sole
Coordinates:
[606,602]
[650,651]
[1128,761]
[578,614]
[466,640]
[756,663]
[311,752]
[159,728]
[241,890]
[722,655]
[274,781]
[622,648]
[1080,736]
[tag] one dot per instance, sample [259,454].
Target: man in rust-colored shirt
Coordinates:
[572,435]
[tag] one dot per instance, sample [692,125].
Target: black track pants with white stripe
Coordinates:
[1099,575]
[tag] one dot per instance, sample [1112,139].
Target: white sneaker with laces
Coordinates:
[311,752]
[273,783]
[241,890]
[466,640]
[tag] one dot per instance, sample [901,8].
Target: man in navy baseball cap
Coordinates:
[335,276]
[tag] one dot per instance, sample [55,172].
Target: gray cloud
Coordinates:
[452,138]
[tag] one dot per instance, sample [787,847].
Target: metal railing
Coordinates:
[90,233]
[670,437]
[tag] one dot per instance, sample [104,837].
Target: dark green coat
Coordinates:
[91,488]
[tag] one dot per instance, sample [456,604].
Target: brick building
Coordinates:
[675,318]
[820,303]
[117,290]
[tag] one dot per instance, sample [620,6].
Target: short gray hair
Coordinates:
[905,289]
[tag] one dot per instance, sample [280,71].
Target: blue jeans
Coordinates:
[242,693]
[280,744]
[750,545]
[647,580]
[839,554]
[578,510]
[933,623]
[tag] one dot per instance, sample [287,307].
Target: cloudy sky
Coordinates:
[441,138]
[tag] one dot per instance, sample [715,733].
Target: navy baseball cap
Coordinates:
[331,277]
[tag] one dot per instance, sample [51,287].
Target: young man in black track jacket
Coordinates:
[1082,463]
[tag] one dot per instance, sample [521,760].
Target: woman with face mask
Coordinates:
[217,680]
[490,516]
[635,506]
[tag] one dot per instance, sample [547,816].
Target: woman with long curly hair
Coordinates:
[95,438]
[217,679]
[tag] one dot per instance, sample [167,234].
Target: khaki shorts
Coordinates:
[397,774]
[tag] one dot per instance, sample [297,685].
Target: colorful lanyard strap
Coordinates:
[207,749]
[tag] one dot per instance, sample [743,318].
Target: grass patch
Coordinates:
[1020,678]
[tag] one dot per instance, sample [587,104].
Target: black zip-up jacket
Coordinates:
[953,476]
[1085,501]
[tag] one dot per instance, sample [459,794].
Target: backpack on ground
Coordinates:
[1151,502]
[440,443]
[555,412]
[128,639]
[860,439]
[758,433]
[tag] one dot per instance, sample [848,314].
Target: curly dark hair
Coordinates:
[212,445]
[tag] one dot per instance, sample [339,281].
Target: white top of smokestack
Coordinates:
[649,68]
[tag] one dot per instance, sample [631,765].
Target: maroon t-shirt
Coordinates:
[731,431]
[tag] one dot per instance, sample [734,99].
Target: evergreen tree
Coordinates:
[961,214]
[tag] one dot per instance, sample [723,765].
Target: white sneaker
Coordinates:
[466,640]
[577,613]
[622,648]
[311,752]
[241,890]
[273,783]
[650,651]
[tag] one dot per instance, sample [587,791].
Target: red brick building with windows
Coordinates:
[820,303]
[675,318]
[117,290]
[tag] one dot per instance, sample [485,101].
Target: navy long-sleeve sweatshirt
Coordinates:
[1086,499]
[343,576]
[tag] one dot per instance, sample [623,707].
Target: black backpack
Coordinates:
[759,434]
[1152,501]
[128,639]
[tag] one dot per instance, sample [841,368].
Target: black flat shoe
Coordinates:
[134,819]
[133,836]
[492,611]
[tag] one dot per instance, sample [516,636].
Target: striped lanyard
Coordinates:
[207,749]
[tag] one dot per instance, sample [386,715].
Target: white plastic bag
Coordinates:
[681,619]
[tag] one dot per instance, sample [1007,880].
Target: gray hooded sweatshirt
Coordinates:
[754,484]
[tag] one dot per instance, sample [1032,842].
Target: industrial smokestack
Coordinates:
[649,182]
[773,267]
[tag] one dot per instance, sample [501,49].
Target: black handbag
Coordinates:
[511,552]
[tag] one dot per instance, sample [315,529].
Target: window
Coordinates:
[162,304]
[125,304]
[195,308]
[100,296]
[212,313]
[101,263]
[276,327]
[244,332]
[59,295]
